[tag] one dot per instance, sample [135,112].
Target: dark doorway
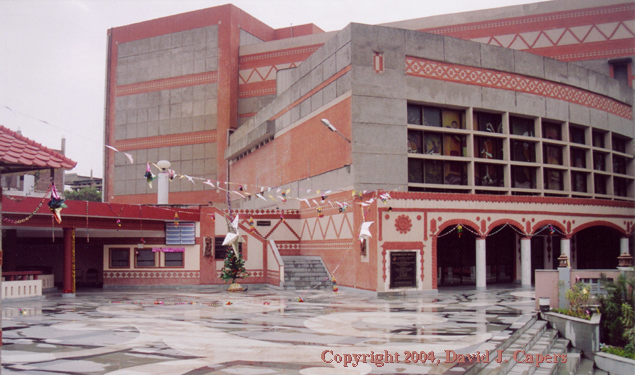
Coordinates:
[500,248]
[596,248]
[456,257]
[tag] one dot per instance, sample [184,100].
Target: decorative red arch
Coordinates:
[544,223]
[598,223]
[511,222]
[465,222]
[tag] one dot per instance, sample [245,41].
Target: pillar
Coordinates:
[481,268]
[163,188]
[525,261]
[564,272]
[69,263]
[625,259]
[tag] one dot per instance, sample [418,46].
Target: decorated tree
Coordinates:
[234,266]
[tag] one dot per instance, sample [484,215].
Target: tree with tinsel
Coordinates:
[234,266]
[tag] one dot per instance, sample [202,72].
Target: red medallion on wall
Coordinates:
[403,224]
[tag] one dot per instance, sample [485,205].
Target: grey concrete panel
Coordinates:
[317,100]
[295,114]
[131,131]
[131,116]
[198,108]
[529,104]
[599,119]
[153,155]
[164,112]
[556,109]
[210,167]
[120,118]
[120,132]
[390,83]
[463,95]
[175,111]
[187,94]
[283,121]
[329,67]
[305,107]
[497,58]
[368,39]
[529,64]
[198,123]
[626,95]
[141,186]
[621,125]
[186,152]
[187,125]
[579,114]
[211,107]
[461,51]
[120,186]
[295,93]
[305,85]
[344,36]
[153,129]
[211,64]
[142,115]
[392,138]
[284,79]
[330,92]
[343,57]
[425,90]
[211,122]
[368,109]
[614,88]
[578,76]
[316,76]
[186,109]
[176,96]
[381,169]
[424,45]
[164,127]
[344,84]
[131,172]
[501,100]
[557,71]
[142,130]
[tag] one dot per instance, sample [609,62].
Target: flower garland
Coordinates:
[29,216]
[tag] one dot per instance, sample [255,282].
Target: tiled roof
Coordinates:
[19,153]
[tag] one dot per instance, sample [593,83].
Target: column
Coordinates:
[481,268]
[625,259]
[525,261]
[68,289]
[564,272]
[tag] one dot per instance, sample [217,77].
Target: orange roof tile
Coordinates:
[19,153]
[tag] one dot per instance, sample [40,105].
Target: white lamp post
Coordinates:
[163,187]
[332,128]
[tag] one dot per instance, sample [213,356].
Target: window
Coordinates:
[488,122]
[433,116]
[619,144]
[619,164]
[598,139]
[489,148]
[173,259]
[180,233]
[437,172]
[620,68]
[576,135]
[523,151]
[551,130]
[120,258]
[488,174]
[220,251]
[414,115]
[523,177]
[521,126]
[578,158]
[552,155]
[414,142]
[599,162]
[578,182]
[432,143]
[620,187]
[144,258]
[599,182]
[553,179]
[454,145]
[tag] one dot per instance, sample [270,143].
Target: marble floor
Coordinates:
[261,331]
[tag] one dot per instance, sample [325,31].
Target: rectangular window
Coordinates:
[619,164]
[455,173]
[432,143]
[620,187]
[578,158]
[578,182]
[599,161]
[220,251]
[120,257]
[553,179]
[599,182]
[489,148]
[431,116]
[180,233]
[523,151]
[552,154]
[523,177]
[173,259]
[619,144]
[433,172]
[414,142]
[521,126]
[598,139]
[453,119]
[576,135]
[454,145]
[488,122]
[144,258]
[414,115]
[415,171]
[551,130]
[489,175]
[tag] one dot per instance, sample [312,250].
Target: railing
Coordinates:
[20,275]
[48,281]
[277,274]
[21,289]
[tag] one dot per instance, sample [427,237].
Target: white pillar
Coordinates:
[481,268]
[163,188]
[624,246]
[525,261]
[565,249]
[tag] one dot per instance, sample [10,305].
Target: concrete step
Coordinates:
[305,273]
[585,367]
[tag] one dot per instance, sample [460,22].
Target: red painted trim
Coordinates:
[464,222]
[272,58]
[510,212]
[500,222]
[167,83]
[208,136]
[263,88]
[596,223]
[544,223]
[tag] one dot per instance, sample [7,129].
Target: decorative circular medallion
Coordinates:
[403,224]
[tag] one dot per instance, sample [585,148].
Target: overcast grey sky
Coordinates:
[53,54]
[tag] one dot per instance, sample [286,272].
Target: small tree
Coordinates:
[90,194]
[234,266]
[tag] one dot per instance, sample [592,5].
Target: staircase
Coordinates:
[305,272]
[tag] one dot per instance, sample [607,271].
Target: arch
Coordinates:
[500,222]
[596,246]
[599,223]
[455,255]
[543,223]
[464,222]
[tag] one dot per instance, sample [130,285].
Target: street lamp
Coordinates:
[332,128]
[163,187]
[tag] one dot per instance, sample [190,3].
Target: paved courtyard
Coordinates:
[262,331]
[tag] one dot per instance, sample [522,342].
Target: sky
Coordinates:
[53,55]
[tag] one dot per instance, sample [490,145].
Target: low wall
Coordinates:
[583,334]
[21,289]
[48,281]
[547,282]
[613,364]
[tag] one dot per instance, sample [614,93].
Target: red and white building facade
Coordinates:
[504,138]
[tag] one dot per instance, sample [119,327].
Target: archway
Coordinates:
[500,250]
[596,247]
[456,257]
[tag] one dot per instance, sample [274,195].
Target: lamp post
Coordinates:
[332,128]
[163,187]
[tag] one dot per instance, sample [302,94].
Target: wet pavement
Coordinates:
[261,331]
